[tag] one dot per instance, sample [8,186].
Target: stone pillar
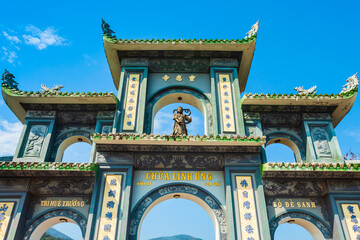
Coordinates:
[36,137]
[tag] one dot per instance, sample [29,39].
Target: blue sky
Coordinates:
[302,43]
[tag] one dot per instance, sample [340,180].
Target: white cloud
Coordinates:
[8,55]
[10,134]
[42,39]
[163,123]
[89,61]
[355,133]
[13,39]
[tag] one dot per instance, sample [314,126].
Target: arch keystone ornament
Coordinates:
[132,169]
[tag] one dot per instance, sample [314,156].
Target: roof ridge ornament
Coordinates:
[352,83]
[253,31]
[54,89]
[301,90]
[8,79]
[106,29]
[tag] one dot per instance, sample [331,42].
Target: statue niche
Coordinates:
[181,120]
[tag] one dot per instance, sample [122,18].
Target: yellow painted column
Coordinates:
[247,209]
[352,220]
[110,208]
[5,217]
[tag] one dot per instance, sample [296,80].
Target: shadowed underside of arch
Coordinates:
[144,206]
[313,225]
[44,222]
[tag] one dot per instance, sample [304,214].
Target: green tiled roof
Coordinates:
[179,41]
[311,167]
[50,166]
[14,92]
[123,136]
[300,96]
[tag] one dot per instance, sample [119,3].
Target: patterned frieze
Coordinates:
[247,208]
[175,148]
[280,119]
[224,62]
[71,107]
[317,116]
[110,208]
[40,114]
[352,219]
[287,108]
[251,116]
[134,62]
[6,209]
[69,186]
[179,161]
[105,115]
[179,65]
[293,188]
[77,117]
[115,157]
[131,102]
[226,103]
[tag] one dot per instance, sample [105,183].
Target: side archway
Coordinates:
[186,191]
[41,224]
[288,140]
[65,140]
[317,229]
[172,95]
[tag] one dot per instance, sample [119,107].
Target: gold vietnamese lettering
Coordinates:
[291,204]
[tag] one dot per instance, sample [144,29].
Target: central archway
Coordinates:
[186,191]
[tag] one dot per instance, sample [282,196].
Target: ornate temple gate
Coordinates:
[225,171]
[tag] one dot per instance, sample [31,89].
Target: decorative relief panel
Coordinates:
[5,217]
[247,209]
[35,140]
[321,142]
[352,218]
[131,102]
[226,100]
[110,208]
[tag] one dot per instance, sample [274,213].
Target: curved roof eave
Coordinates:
[14,100]
[342,102]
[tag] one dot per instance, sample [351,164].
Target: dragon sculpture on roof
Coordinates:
[352,83]
[8,79]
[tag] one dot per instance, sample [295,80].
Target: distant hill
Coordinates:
[177,237]
[53,234]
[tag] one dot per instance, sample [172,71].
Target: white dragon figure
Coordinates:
[54,89]
[352,82]
[301,90]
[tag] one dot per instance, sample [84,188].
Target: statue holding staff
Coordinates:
[181,120]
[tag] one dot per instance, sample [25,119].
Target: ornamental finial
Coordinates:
[106,29]
[253,31]
[8,79]
[352,83]
[301,90]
